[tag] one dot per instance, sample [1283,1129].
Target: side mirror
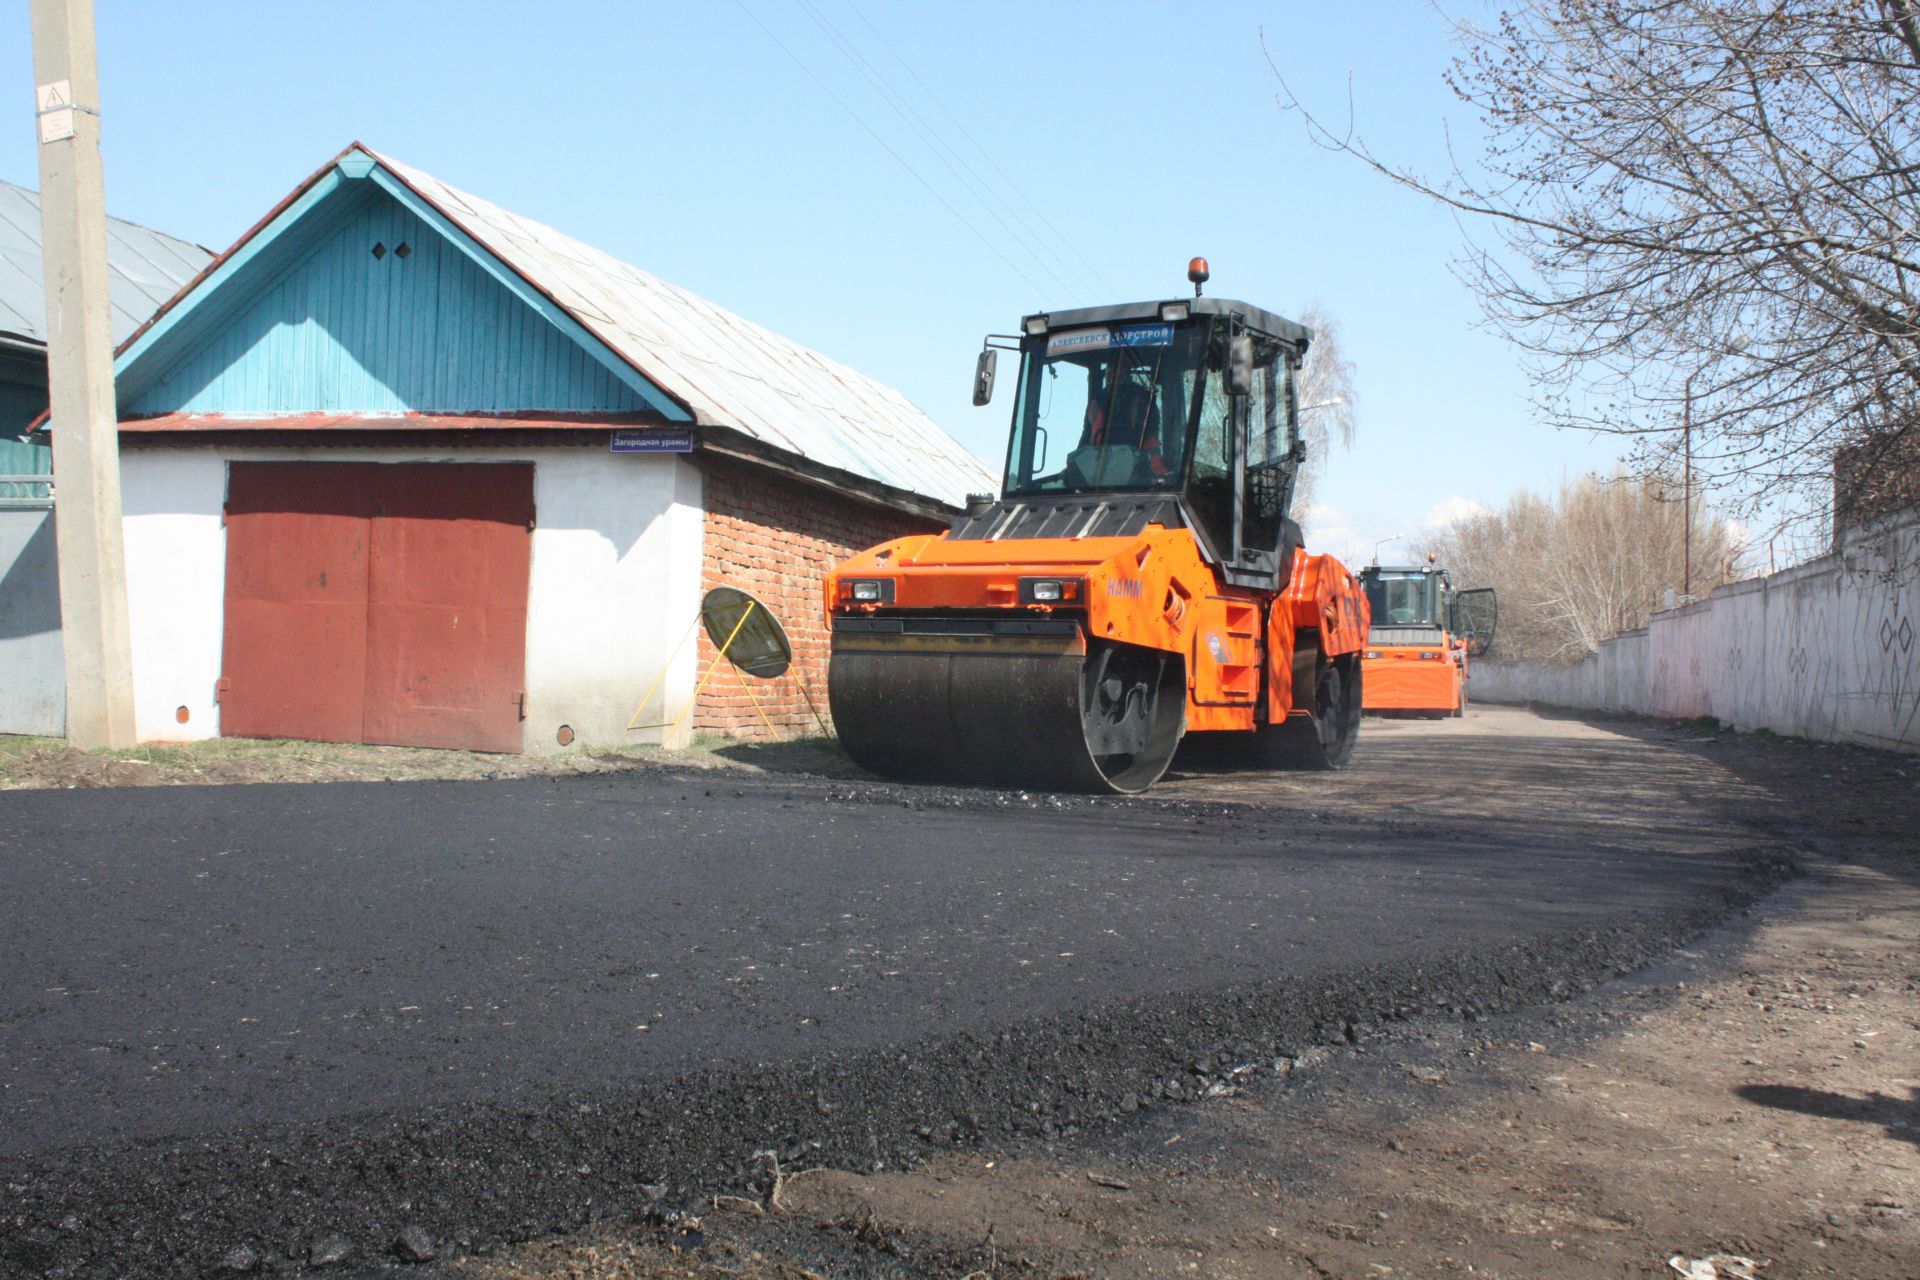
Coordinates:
[983,376]
[1240,366]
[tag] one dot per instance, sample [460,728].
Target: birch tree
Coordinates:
[1705,223]
[1329,400]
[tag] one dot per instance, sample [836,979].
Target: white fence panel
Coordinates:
[1827,650]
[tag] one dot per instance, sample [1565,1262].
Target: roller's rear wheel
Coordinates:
[1325,741]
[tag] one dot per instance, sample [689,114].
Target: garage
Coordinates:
[334,443]
[377,602]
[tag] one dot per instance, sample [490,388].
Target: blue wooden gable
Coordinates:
[357,297]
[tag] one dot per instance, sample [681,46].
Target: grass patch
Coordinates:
[166,755]
[15,747]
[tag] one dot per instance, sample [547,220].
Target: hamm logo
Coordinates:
[1124,587]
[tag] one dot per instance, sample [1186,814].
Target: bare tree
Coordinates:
[1329,399]
[1596,560]
[1707,216]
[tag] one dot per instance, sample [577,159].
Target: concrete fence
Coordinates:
[1828,650]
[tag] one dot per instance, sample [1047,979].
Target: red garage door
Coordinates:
[377,603]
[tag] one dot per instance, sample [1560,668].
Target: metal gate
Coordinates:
[377,602]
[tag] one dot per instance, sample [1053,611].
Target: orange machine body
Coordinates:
[1415,677]
[1153,589]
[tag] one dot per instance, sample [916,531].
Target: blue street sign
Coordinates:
[652,440]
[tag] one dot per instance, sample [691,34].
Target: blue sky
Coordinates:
[684,138]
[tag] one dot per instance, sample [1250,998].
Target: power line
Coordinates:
[824,88]
[930,137]
[985,154]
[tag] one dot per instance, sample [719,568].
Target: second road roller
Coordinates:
[1137,581]
[1424,636]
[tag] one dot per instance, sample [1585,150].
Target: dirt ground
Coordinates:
[49,762]
[1750,1107]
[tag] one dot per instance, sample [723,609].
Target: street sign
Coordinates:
[652,440]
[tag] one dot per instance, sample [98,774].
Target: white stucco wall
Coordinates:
[615,581]
[615,585]
[1827,650]
[176,587]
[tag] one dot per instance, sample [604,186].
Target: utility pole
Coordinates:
[85,418]
[1686,496]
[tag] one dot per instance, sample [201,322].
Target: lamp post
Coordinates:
[1383,542]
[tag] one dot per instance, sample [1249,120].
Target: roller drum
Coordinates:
[1039,712]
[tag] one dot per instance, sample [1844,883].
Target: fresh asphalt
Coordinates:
[181,960]
[237,969]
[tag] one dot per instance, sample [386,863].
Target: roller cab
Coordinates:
[1137,579]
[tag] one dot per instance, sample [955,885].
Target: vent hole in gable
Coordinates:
[379,251]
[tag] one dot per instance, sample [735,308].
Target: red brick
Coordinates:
[777,539]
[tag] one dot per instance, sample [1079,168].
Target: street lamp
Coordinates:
[1383,542]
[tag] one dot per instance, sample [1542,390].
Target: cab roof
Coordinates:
[1257,318]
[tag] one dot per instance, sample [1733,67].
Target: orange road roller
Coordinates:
[1423,634]
[1137,580]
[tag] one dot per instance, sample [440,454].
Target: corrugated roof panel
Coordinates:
[726,369]
[147,268]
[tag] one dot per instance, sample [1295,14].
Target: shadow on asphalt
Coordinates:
[1901,1116]
[1849,800]
[816,757]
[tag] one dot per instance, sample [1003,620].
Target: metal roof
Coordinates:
[727,370]
[147,269]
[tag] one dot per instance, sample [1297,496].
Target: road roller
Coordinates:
[1423,635]
[1137,581]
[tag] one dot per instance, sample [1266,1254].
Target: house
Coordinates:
[1876,482]
[146,268]
[402,467]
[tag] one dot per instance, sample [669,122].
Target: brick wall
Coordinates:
[777,539]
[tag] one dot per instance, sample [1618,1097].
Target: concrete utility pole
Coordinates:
[1686,483]
[85,418]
